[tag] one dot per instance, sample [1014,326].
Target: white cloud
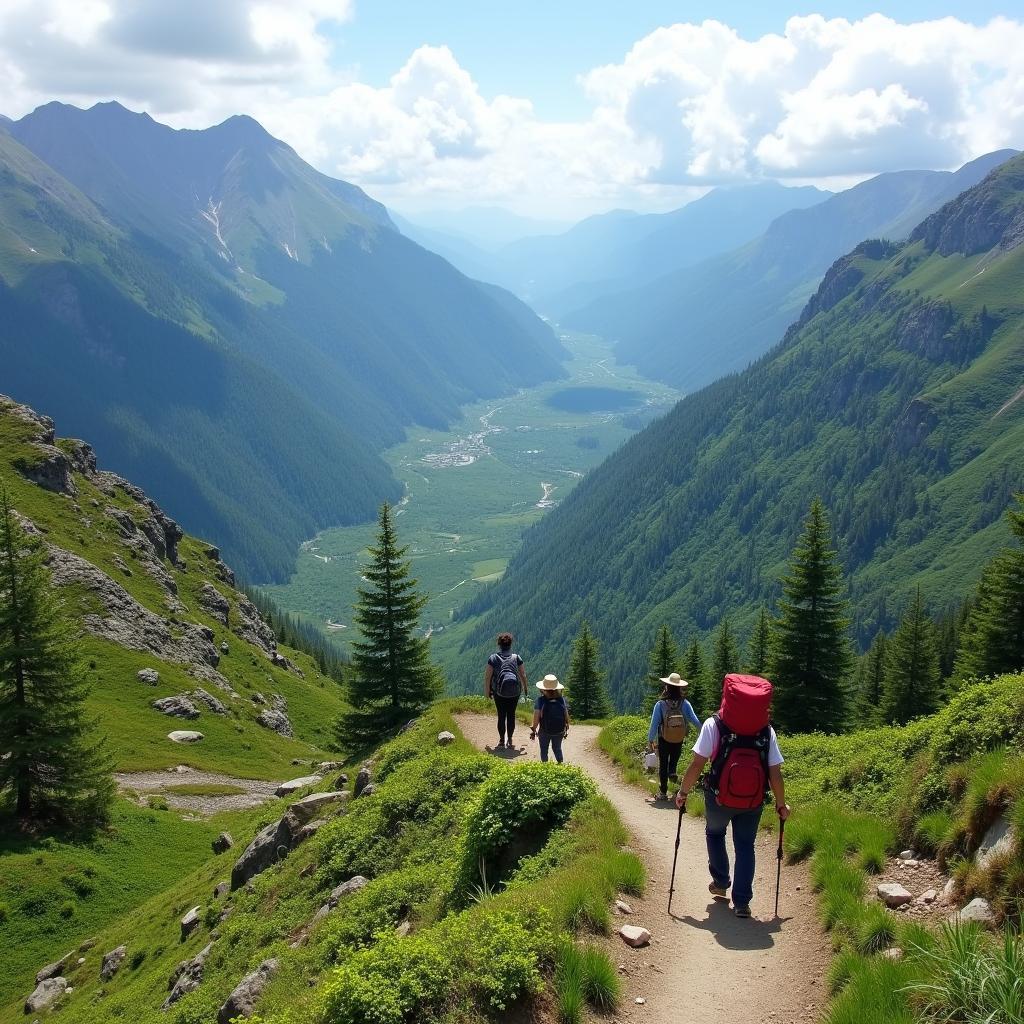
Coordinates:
[688,105]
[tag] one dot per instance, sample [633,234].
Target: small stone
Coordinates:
[222,843]
[80,961]
[949,891]
[308,807]
[892,894]
[799,888]
[149,676]
[224,649]
[112,962]
[341,782]
[893,953]
[403,929]
[184,736]
[911,863]
[445,738]
[907,855]
[368,790]
[363,778]
[639,1000]
[622,907]
[190,922]
[977,910]
[929,896]
[634,936]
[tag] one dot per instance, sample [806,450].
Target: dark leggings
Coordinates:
[506,716]
[668,760]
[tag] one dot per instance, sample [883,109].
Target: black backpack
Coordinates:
[553,716]
[505,678]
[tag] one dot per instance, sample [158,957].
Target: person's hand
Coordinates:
[566,733]
[784,811]
[533,734]
[680,800]
[652,746]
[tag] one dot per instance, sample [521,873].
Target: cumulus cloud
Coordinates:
[689,105]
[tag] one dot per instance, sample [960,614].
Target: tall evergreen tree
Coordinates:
[870,684]
[663,659]
[587,695]
[725,659]
[55,764]
[391,678]
[759,648]
[696,674]
[811,656]
[993,639]
[912,673]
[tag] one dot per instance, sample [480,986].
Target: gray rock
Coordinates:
[221,889]
[309,807]
[209,701]
[252,629]
[46,994]
[978,910]
[149,676]
[275,720]
[52,970]
[411,724]
[87,945]
[214,603]
[224,649]
[927,897]
[287,664]
[403,929]
[270,845]
[339,892]
[445,738]
[635,936]
[112,962]
[187,976]
[1000,839]
[368,790]
[341,781]
[242,1001]
[279,703]
[892,953]
[307,830]
[363,778]
[323,767]
[622,907]
[190,922]
[892,894]
[258,698]
[949,891]
[907,855]
[178,706]
[222,843]
[294,785]
[184,736]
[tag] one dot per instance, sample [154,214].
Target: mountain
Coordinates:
[263,329]
[697,324]
[486,227]
[896,396]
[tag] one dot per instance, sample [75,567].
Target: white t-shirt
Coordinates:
[708,739]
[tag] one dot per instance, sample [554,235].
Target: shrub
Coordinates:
[67,909]
[5,912]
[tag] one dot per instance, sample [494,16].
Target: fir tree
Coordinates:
[811,655]
[663,659]
[587,695]
[870,685]
[391,678]
[696,674]
[55,764]
[912,672]
[759,648]
[993,639]
[725,659]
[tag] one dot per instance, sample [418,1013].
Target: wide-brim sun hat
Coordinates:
[550,683]
[675,679]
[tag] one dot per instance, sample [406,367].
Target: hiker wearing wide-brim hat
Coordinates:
[669,720]
[550,717]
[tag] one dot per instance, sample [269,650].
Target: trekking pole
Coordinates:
[675,856]
[778,866]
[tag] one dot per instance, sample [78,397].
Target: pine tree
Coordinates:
[759,648]
[56,764]
[870,685]
[811,656]
[726,659]
[912,673]
[587,695]
[696,674]
[993,639]
[391,678]
[663,659]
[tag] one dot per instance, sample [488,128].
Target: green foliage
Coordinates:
[584,974]
[911,684]
[662,661]
[725,659]
[759,647]
[586,678]
[869,688]
[695,672]
[56,764]
[811,655]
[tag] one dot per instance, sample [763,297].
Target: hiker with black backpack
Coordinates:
[550,717]
[670,719]
[504,680]
[743,751]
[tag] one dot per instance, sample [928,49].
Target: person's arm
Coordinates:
[691,715]
[778,786]
[652,732]
[488,672]
[522,679]
[690,778]
[568,721]
[536,718]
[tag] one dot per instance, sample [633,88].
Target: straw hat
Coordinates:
[550,683]
[675,679]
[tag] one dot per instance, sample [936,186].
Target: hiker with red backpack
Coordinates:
[670,719]
[743,751]
[504,680]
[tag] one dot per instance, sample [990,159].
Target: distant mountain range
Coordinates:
[240,333]
[897,396]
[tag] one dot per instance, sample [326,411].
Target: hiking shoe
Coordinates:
[720,892]
[663,795]
[741,910]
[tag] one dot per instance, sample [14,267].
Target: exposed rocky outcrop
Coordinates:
[252,629]
[209,702]
[53,467]
[46,994]
[112,962]
[278,721]
[294,785]
[363,778]
[178,706]
[187,976]
[52,970]
[149,676]
[923,327]
[215,603]
[190,922]
[242,1001]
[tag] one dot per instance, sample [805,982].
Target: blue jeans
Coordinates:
[744,832]
[556,746]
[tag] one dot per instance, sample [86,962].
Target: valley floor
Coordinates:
[704,965]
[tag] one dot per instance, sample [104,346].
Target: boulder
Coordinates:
[978,911]
[184,736]
[52,970]
[310,806]
[445,738]
[409,725]
[112,962]
[214,603]
[187,976]
[892,894]
[363,778]
[307,830]
[252,629]
[949,891]
[222,843]
[177,707]
[341,782]
[634,936]
[224,649]
[1000,839]
[929,896]
[211,702]
[243,999]
[277,721]
[46,993]
[294,785]
[368,790]
[221,889]
[269,846]
[345,889]
[190,922]
[328,766]
[149,676]
[87,945]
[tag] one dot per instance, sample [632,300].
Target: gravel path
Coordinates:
[146,784]
[704,965]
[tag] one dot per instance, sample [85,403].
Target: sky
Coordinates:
[551,109]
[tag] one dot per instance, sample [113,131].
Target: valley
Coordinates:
[471,491]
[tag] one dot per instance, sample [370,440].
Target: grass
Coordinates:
[584,974]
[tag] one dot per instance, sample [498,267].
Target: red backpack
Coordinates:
[739,768]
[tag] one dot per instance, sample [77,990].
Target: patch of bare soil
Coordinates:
[156,783]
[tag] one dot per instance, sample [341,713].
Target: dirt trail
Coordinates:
[704,966]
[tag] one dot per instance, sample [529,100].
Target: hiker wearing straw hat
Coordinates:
[669,722]
[550,717]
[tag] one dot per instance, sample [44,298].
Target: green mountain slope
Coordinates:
[897,397]
[694,326]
